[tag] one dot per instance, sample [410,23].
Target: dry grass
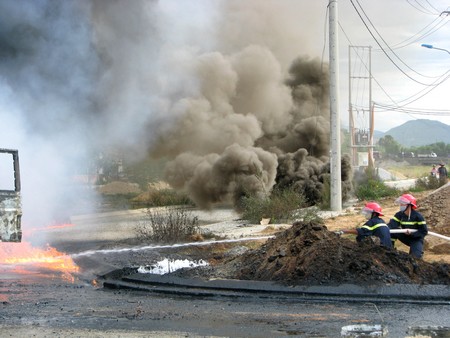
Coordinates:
[408,171]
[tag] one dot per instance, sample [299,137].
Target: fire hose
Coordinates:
[404,231]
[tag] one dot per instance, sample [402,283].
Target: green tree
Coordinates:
[389,145]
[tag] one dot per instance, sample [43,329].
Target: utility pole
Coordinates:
[335,156]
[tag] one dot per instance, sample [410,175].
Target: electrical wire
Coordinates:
[423,10]
[417,111]
[436,25]
[385,107]
[421,93]
[367,68]
[385,52]
[432,6]
[416,96]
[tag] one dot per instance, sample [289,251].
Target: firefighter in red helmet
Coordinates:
[374,226]
[410,219]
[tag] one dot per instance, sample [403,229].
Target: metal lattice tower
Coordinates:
[360,105]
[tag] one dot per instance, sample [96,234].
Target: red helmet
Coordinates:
[373,207]
[407,199]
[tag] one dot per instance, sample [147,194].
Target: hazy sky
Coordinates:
[400,26]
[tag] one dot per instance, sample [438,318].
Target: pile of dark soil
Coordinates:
[308,253]
[434,208]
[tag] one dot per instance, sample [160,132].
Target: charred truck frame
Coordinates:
[10,200]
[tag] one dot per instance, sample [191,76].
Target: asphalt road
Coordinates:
[40,304]
[44,308]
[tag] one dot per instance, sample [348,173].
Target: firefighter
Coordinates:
[409,218]
[374,226]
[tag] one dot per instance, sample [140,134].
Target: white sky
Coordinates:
[401,23]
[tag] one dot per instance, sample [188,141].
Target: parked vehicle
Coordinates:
[10,200]
[406,154]
[432,154]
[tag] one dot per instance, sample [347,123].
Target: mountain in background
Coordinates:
[420,133]
[377,135]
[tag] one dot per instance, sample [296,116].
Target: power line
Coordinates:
[423,10]
[365,65]
[400,106]
[436,25]
[385,52]
[432,6]
[414,111]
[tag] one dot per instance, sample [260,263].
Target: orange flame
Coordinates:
[27,232]
[22,258]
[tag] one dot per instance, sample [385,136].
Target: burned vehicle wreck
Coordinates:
[10,200]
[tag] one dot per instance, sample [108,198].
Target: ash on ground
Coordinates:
[309,254]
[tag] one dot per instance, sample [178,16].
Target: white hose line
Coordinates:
[438,235]
[403,231]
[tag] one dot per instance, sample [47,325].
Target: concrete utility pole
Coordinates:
[335,160]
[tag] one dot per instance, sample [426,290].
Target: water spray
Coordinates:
[178,245]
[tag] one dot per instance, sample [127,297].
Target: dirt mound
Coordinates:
[308,253]
[434,208]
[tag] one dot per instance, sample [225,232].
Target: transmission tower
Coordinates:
[361,118]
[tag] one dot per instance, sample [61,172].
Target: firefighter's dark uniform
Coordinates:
[375,227]
[413,240]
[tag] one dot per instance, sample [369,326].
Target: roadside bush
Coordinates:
[168,225]
[162,197]
[373,189]
[279,206]
[325,202]
[308,215]
[426,183]
[117,201]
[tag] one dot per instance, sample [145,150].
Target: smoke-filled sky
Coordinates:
[228,90]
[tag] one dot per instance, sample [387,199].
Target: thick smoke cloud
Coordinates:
[223,89]
[216,178]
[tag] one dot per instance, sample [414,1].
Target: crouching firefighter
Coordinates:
[408,218]
[374,226]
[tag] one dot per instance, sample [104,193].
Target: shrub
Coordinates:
[279,206]
[308,215]
[117,201]
[426,183]
[326,194]
[374,189]
[162,197]
[170,225]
